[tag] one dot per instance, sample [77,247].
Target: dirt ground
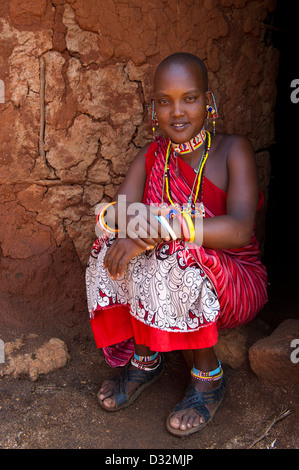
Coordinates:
[60,410]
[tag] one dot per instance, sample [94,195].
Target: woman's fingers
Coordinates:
[110,257]
[124,260]
[144,244]
[140,227]
[146,225]
[120,253]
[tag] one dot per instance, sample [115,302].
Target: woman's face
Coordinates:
[180,101]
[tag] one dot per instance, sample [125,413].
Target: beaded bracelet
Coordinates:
[146,362]
[184,226]
[100,224]
[190,227]
[100,219]
[166,225]
[207,376]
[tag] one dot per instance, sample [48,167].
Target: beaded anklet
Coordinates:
[145,362]
[207,376]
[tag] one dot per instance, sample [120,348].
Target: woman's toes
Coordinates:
[109,402]
[197,420]
[105,394]
[175,422]
[185,421]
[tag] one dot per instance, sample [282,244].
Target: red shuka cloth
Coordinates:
[238,275]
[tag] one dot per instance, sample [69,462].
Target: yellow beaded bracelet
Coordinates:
[101,220]
[190,226]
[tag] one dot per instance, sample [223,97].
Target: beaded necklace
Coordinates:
[193,144]
[198,177]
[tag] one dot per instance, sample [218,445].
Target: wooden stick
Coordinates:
[283,414]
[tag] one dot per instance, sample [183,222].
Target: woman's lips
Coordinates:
[179,126]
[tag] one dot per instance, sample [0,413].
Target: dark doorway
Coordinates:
[281,254]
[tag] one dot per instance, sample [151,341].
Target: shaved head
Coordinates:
[185,59]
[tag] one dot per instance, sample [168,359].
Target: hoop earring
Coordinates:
[154,120]
[212,113]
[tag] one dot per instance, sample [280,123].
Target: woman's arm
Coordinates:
[134,219]
[134,183]
[131,191]
[235,228]
[221,232]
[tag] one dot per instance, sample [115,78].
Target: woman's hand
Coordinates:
[143,224]
[138,221]
[120,253]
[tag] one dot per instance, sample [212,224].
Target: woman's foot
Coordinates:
[122,390]
[203,396]
[190,418]
[107,391]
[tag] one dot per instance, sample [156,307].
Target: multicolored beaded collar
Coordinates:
[199,172]
[193,144]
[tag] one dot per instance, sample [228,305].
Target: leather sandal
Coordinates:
[197,401]
[144,378]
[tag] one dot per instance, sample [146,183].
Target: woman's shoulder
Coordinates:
[155,147]
[230,146]
[232,140]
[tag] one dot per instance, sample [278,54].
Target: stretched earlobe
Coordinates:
[212,112]
[154,120]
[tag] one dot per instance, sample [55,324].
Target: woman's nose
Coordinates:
[177,109]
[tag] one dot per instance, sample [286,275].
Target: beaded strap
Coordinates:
[207,376]
[145,362]
[166,183]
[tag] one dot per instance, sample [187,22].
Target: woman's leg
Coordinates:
[106,393]
[206,361]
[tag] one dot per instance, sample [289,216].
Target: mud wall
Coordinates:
[76,77]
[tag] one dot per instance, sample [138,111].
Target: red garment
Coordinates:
[238,275]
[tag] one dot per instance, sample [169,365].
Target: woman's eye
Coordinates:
[190,99]
[163,102]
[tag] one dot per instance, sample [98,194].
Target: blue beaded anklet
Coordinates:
[207,376]
[145,362]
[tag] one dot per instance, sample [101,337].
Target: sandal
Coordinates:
[145,378]
[197,401]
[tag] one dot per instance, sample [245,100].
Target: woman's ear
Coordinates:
[209,97]
[211,109]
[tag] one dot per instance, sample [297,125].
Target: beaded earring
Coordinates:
[154,120]
[212,113]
